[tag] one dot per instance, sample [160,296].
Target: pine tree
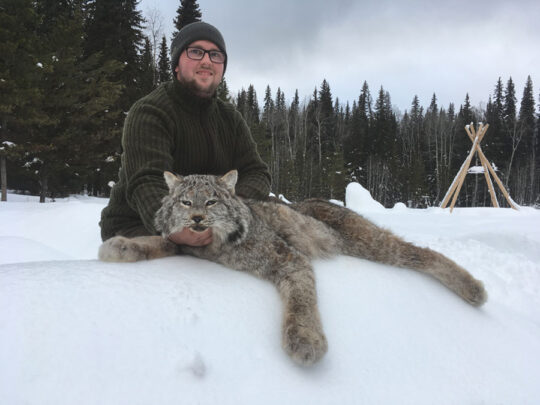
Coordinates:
[526,154]
[382,161]
[412,147]
[223,91]
[265,133]
[114,29]
[71,93]
[536,189]
[511,134]
[327,118]
[164,63]
[241,103]
[495,145]
[147,67]
[252,111]
[187,13]
[19,74]
[357,137]
[429,146]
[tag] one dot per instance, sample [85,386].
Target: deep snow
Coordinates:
[186,331]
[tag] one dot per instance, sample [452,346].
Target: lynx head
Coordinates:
[200,202]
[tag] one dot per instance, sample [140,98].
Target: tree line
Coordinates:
[315,148]
[71,69]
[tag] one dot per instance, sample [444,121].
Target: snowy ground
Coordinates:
[185,331]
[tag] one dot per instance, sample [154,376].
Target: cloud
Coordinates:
[414,47]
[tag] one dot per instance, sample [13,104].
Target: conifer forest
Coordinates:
[71,69]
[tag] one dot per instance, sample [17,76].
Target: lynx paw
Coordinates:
[305,346]
[121,249]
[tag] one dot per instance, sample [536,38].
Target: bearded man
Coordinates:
[182,127]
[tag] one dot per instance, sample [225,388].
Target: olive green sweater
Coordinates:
[170,129]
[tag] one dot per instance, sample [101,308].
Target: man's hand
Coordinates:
[191,238]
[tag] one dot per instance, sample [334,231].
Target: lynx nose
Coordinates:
[197,218]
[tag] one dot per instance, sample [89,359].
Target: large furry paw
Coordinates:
[475,293]
[306,346]
[121,249]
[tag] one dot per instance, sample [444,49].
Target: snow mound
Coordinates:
[360,200]
[182,328]
[399,207]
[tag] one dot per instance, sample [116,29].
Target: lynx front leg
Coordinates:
[302,334]
[121,249]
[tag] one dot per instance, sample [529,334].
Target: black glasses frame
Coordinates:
[212,54]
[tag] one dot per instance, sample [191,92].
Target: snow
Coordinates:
[184,330]
[358,196]
[476,170]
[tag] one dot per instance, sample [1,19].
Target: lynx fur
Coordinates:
[277,242]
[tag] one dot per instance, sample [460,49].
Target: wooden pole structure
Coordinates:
[476,137]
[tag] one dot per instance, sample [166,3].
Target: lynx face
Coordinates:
[201,202]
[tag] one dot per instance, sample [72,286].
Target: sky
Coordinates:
[409,48]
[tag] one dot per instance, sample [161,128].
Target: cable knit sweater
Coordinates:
[170,129]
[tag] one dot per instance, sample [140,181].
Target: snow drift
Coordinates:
[183,330]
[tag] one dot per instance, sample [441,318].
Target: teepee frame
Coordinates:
[476,137]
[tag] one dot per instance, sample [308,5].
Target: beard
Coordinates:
[196,89]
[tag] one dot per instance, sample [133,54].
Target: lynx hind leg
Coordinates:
[122,249]
[364,239]
[302,333]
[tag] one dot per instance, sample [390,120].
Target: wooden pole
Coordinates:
[463,172]
[476,137]
[485,163]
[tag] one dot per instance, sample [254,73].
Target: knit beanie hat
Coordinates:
[195,32]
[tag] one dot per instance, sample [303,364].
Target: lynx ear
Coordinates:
[230,179]
[171,179]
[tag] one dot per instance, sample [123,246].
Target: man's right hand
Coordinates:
[191,238]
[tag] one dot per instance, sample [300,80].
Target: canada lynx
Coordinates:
[276,242]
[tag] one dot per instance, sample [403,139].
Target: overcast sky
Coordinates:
[408,47]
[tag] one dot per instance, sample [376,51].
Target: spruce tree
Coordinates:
[264,136]
[431,141]
[252,113]
[356,142]
[412,147]
[164,63]
[187,13]
[526,153]
[223,91]
[19,73]
[69,93]
[114,29]
[147,68]
[495,145]
[511,134]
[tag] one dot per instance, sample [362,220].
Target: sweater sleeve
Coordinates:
[147,143]
[254,179]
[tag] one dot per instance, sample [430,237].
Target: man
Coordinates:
[182,127]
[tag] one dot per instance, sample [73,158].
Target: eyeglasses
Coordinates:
[198,54]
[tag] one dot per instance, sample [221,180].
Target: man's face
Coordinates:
[201,76]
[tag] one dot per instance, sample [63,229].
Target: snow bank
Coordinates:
[360,200]
[183,330]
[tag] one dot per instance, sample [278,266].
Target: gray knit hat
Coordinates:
[195,32]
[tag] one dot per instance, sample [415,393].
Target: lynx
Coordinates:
[277,242]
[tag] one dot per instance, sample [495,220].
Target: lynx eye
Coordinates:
[186,203]
[210,202]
